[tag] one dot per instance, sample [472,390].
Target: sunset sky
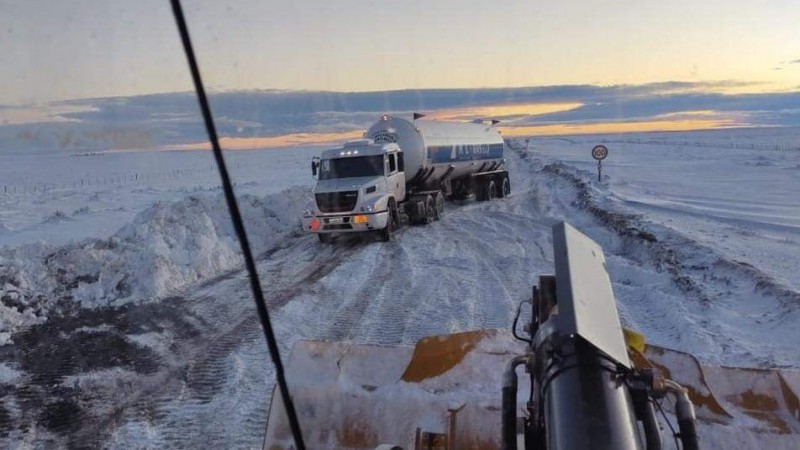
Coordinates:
[83,49]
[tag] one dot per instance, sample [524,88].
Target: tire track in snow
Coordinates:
[344,322]
[178,347]
[507,279]
[208,368]
[449,276]
[385,319]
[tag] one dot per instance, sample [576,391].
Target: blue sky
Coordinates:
[96,48]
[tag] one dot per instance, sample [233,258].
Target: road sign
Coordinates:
[599,152]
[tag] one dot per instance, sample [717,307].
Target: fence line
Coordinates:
[108,180]
[700,144]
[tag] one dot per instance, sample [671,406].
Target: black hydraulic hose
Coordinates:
[643,406]
[651,432]
[688,434]
[509,408]
[514,324]
[684,412]
[238,225]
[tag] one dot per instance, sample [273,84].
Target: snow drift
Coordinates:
[166,247]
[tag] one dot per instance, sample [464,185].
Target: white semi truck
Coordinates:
[402,171]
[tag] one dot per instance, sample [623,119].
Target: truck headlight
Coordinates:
[368,208]
[308,213]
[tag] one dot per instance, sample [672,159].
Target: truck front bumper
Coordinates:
[347,223]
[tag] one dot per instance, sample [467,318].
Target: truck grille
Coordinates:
[384,137]
[337,201]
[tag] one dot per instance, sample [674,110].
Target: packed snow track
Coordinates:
[191,368]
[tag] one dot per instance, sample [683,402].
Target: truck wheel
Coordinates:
[430,209]
[439,206]
[324,237]
[505,190]
[481,194]
[491,190]
[388,230]
[459,191]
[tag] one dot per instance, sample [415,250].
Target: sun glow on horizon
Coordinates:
[563,129]
[280,141]
[502,111]
[678,121]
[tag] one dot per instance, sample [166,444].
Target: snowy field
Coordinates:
[133,327]
[60,197]
[735,191]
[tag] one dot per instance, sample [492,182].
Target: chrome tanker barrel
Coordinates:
[435,150]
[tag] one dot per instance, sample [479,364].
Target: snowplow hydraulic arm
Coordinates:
[585,391]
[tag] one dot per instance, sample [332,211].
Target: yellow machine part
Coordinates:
[444,394]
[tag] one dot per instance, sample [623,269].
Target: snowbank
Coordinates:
[681,290]
[165,247]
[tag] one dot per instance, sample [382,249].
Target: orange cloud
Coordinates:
[500,111]
[286,140]
[618,127]
[679,121]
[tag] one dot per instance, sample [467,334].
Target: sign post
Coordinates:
[599,152]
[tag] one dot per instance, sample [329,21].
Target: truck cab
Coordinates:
[358,188]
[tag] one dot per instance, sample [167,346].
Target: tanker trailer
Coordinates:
[402,172]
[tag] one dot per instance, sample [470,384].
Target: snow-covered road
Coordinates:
[192,369]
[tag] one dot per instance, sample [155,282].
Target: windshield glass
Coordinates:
[360,166]
[666,132]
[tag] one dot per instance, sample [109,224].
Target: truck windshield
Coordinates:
[362,166]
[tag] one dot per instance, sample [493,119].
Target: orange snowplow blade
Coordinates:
[444,393]
[736,407]
[361,396]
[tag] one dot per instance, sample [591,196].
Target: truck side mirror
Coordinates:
[314,166]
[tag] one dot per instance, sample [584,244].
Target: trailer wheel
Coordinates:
[460,191]
[430,209]
[491,190]
[324,237]
[439,206]
[505,189]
